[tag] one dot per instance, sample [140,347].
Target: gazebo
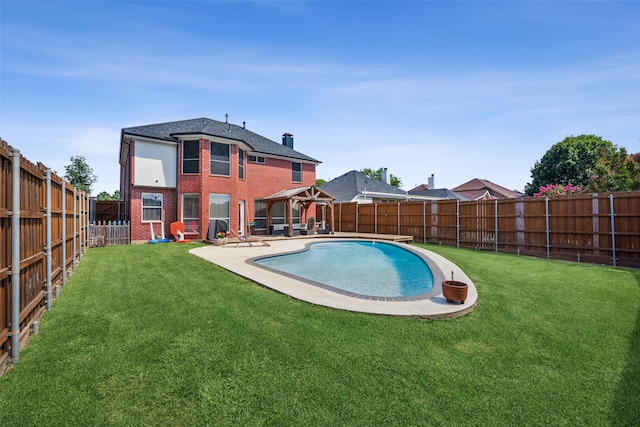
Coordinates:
[305,196]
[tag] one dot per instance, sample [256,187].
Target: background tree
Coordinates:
[587,161]
[106,196]
[377,174]
[320,181]
[618,171]
[80,174]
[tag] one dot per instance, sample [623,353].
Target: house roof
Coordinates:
[345,188]
[439,193]
[173,131]
[475,188]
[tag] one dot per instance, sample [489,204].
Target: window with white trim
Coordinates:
[151,207]
[191,212]
[256,159]
[296,172]
[190,156]
[241,163]
[260,214]
[220,164]
[219,207]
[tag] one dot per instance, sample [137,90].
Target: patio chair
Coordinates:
[311,225]
[247,239]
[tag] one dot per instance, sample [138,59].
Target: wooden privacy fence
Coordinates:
[43,223]
[107,210]
[598,228]
[109,233]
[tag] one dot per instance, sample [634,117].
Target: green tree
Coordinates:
[103,195]
[377,174]
[80,174]
[571,161]
[320,181]
[616,171]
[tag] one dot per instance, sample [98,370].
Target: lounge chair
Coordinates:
[247,239]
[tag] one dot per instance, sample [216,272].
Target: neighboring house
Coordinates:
[437,193]
[355,186]
[481,189]
[200,170]
[429,190]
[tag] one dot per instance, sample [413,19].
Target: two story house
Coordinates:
[200,170]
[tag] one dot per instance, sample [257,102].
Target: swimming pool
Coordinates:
[359,268]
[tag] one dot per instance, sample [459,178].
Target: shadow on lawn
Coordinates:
[625,410]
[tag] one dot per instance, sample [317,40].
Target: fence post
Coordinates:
[496,216]
[15,256]
[613,230]
[546,225]
[357,211]
[75,225]
[48,236]
[398,218]
[375,218]
[64,232]
[457,223]
[424,221]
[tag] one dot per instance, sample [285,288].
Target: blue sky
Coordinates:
[458,89]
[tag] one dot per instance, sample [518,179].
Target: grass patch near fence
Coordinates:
[152,335]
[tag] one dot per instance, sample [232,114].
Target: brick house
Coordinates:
[199,170]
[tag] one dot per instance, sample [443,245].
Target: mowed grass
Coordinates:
[152,335]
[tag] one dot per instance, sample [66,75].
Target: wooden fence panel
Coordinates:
[108,211]
[413,220]
[387,218]
[366,218]
[627,228]
[577,228]
[41,239]
[5,253]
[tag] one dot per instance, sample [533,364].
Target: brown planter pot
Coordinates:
[220,242]
[454,290]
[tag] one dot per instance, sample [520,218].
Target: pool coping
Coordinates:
[431,305]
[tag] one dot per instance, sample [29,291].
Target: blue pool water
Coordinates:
[368,268]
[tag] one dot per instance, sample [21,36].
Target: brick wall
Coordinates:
[261,180]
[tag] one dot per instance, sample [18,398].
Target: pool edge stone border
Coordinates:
[431,305]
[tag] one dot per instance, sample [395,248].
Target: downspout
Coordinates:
[48,237]
[15,256]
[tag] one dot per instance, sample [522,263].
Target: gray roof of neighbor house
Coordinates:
[172,131]
[440,193]
[346,187]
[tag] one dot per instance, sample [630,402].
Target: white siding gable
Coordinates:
[155,164]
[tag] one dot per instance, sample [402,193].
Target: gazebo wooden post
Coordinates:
[290,216]
[269,217]
[333,225]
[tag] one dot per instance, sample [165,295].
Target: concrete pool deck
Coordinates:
[432,306]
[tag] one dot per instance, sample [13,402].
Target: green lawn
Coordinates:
[151,335]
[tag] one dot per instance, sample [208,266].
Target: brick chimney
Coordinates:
[287,140]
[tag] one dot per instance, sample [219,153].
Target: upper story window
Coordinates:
[241,164]
[220,159]
[151,207]
[296,172]
[256,159]
[190,156]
